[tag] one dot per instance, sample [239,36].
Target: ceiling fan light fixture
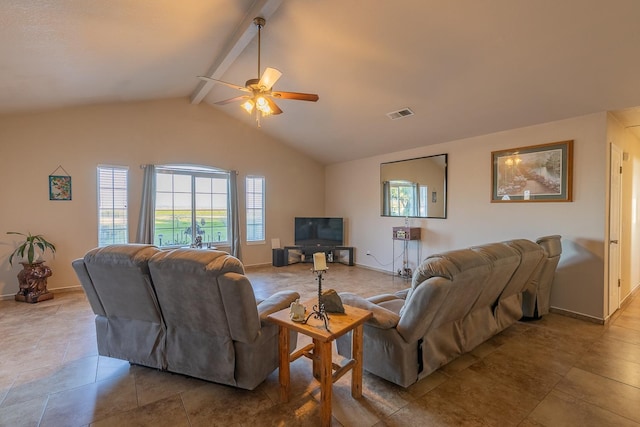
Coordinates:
[260,93]
[263,105]
[248,105]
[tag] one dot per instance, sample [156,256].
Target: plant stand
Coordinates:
[33,283]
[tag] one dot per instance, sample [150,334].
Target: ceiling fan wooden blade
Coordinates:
[231,85]
[296,95]
[230,100]
[274,107]
[269,78]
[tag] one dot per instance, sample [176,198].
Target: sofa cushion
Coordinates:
[133,328]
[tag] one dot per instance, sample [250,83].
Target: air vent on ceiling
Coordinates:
[395,115]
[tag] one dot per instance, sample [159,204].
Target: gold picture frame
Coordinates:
[537,173]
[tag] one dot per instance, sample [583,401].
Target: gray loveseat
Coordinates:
[457,300]
[187,311]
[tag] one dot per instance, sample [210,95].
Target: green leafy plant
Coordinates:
[29,245]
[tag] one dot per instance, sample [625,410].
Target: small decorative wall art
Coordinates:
[59,185]
[538,173]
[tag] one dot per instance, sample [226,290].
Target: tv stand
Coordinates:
[305,253]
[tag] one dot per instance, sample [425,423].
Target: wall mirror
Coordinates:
[415,187]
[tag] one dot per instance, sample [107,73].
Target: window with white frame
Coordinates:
[403,197]
[254,189]
[113,224]
[192,203]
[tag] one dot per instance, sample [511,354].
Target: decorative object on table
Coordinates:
[59,185]
[197,243]
[537,173]
[33,276]
[319,268]
[297,311]
[331,301]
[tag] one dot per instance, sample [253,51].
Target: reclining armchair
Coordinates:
[187,311]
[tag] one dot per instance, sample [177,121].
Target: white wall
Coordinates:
[353,192]
[159,132]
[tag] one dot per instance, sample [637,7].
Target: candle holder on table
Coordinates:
[319,268]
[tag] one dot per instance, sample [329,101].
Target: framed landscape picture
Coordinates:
[537,173]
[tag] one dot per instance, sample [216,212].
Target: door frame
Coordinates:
[614,229]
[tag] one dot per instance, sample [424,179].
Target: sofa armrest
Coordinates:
[382,318]
[403,293]
[382,298]
[276,302]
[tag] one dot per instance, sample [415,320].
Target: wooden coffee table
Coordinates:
[320,351]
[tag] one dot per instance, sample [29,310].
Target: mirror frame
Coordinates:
[432,197]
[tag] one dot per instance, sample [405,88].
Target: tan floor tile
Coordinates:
[609,347]
[301,380]
[153,385]
[386,398]
[42,381]
[215,404]
[427,384]
[433,410]
[633,307]
[623,334]
[347,410]
[83,405]
[109,367]
[629,321]
[6,382]
[515,372]
[618,362]
[81,347]
[608,394]
[163,413]
[301,411]
[485,398]
[562,410]
[502,382]
[553,355]
[569,326]
[23,414]
[459,364]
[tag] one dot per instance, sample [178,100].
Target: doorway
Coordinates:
[615,200]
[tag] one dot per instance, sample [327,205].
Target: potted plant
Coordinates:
[33,276]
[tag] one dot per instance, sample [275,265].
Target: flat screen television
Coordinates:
[310,231]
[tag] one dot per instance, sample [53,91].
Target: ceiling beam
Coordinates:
[238,42]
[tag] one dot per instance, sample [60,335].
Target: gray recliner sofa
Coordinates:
[186,311]
[457,300]
[536,298]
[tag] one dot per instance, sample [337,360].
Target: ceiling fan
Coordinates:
[259,91]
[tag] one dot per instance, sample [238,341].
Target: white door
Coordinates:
[615,200]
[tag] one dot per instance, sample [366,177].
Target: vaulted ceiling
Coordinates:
[464,67]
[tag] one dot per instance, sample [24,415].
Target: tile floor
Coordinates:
[557,371]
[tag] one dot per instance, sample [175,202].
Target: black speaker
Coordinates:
[278,258]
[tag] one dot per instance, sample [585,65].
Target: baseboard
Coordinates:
[73,288]
[578,316]
[260,264]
